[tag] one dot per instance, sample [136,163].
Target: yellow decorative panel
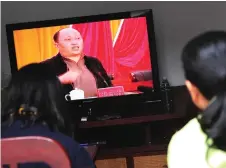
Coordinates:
[114,24]
[35,45]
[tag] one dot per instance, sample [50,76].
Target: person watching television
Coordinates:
[201,143]
[73,67]
[34,105]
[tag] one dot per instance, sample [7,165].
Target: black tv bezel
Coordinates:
[92,18]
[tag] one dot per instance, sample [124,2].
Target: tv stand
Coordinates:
[109,117]
[129,120]
[132,138]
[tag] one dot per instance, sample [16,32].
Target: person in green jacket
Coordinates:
[201,143]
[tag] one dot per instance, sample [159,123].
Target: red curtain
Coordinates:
[98,42]
[131,50]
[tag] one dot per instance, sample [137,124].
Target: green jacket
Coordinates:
[188,149]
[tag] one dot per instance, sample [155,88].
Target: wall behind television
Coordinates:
[175,23]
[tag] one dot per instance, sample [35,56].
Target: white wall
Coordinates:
[175,24]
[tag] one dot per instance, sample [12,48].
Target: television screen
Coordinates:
[98,56]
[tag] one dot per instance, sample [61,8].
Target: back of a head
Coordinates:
[204,62]
[34,88]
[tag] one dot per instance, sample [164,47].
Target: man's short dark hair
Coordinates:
[56,36]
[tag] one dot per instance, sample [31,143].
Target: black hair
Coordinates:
[56,36]
[34,95]
[204,62]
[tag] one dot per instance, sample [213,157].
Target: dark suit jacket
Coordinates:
[59,67]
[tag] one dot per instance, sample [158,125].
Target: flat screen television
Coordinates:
[124,44]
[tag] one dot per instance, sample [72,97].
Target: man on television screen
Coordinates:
[74,69]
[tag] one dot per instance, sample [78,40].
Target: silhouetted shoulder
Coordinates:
[80,158]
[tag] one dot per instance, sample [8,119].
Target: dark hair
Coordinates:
[56,36]
[204,62]
[34,94]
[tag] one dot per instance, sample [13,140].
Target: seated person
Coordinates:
[34,106]
[202,142]
[74,69]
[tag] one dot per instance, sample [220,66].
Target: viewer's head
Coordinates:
[204,62]
[34,95]
[69,42]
